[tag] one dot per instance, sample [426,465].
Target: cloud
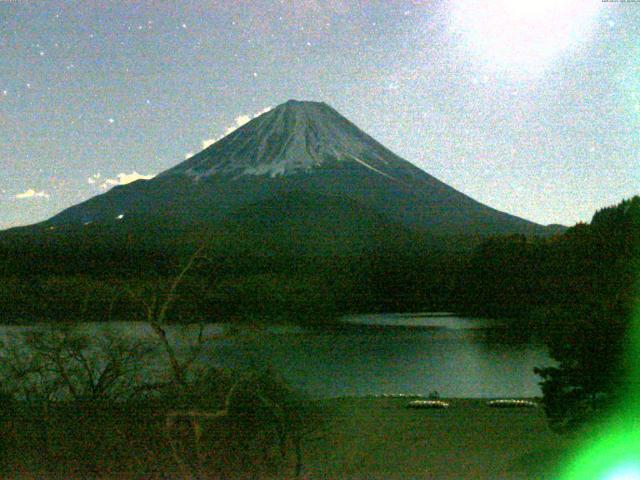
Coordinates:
[122,179]
[208,142]
[31,193]
[238,122]
[93,179]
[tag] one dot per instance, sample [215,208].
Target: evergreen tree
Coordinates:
[589,336]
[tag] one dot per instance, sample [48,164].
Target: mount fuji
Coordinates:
[298,160]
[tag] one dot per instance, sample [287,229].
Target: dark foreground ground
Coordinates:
[382,439]
[364,438]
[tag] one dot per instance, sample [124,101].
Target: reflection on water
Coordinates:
[370,354]
[426,320]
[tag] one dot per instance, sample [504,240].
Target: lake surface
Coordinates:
[373,354]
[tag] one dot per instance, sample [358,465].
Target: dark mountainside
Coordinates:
[301,147]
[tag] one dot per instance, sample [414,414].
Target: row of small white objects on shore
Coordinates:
[504,403]
[435,403]
[398,395]
[428,404]
[511,403]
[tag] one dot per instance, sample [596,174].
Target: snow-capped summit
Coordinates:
[303,157]
[295,137]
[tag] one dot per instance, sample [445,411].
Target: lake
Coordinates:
[375,354]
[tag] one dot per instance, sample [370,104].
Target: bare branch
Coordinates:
[171,296]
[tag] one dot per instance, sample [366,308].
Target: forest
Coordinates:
[97,275]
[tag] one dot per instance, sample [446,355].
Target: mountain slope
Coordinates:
[296,147]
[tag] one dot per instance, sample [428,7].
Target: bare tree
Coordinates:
[290,420]
[59,363]
[156,315]
[44,368]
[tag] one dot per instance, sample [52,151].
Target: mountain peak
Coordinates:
[313,110]
[301,103]
[294,138]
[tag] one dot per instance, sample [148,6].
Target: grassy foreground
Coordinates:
[360,438]
[379,438]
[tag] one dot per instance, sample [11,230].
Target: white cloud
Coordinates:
[208,142]
[239,121]
[31,193]
[93,179]
[124,179]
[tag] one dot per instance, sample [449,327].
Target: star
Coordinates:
[111,120]
[41,53]
[5,93]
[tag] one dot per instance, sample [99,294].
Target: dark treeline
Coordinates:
[589,264]
[92,274]
[230,289]
[79,276]
[590,333]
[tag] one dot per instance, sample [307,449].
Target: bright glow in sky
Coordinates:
[525,34]
[625,472]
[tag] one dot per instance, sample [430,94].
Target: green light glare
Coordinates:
[614,455]
[613,452]
[629,471]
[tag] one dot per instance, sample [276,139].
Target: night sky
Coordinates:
[530,106]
